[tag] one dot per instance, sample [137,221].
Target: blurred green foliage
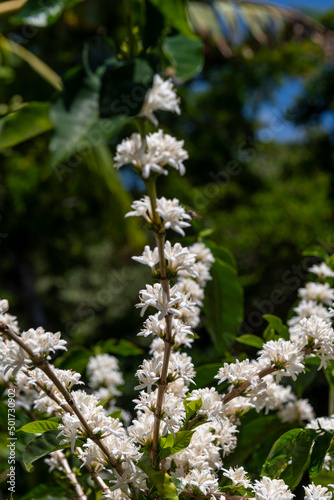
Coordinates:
[65,245]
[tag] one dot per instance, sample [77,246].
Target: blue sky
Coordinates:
[320,5]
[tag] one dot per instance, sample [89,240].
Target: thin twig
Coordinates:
[46,368]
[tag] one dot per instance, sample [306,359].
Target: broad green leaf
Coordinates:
[289,456]
[249,339]
[160,479]
[222,253]
[41,14]
[185,55]
[278,326]
[325,478]
[78,128]
[205,374]
[41,446]
[124,86]
[320,448]
[175,13]
[27,122]
[223,305]
[121,347]
[39,427]
[170,444]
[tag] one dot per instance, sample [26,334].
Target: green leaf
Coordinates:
[123,87]
[289,456]
[252,435]
[27,122]
[116,414]
[75,116]
[41,446]
[170,444]
[191,408]
[39,427]
[315,252]
[41,14]
[175,13]
[249,339]
[185,55]
[320,448]
[223,305]
[205,374]
[45,492]
[121,347]
[76,359]
[278,326]
[160,479]
[222,253]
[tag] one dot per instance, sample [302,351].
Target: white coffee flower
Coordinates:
[52,460]
[316,333]
[141,208]
[12,356]
[103,370]
[211,401]
[322,423]
[149,257]
[173,214]
[173,413]
[225,433]
[308,308]
[285,356]
[161,150]
[316,492]
[322,271]
[155,296]
[203,253]
[179,258]
[237,373]
[271,489]
[190,316]
[189,286]
[201,453]
[277,395]
[321,292]
[149,372]
[296,411]
[42,342]
[238,476]
[161,96]
[181,366]
[141,428]
[202,273]
[203,480]
[3,306]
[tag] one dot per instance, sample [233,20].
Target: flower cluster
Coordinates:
[184,432]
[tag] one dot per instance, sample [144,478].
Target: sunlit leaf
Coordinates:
[42,14]
[39,426]
[160,479]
